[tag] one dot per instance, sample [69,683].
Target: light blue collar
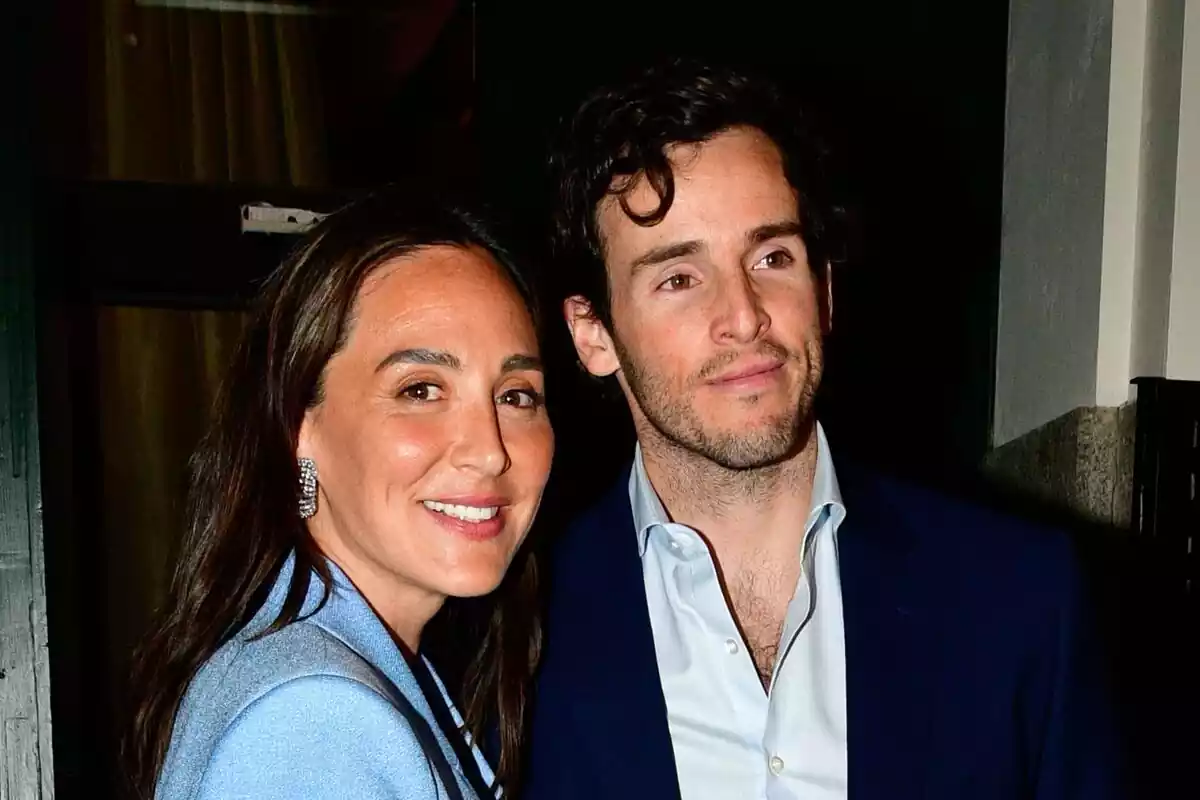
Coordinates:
[347,617]
[648,510]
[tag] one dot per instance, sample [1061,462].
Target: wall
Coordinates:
[1054,170]
[1183,335]
[1100,264]
[1100,267]
[1155,220]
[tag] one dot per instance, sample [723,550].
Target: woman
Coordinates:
[381,445]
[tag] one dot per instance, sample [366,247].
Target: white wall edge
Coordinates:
[1183,332]
[1123,167]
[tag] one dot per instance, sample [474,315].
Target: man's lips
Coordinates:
[747,373]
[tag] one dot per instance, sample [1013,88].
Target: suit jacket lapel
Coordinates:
[893,651]
[620,708]
[891,646]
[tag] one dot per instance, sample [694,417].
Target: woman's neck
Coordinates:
[403,608]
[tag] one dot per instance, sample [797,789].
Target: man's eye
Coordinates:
[775,260]
[677,282]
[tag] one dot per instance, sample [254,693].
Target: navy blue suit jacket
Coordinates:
[971,669]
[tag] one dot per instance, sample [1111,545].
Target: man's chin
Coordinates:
[752,426]
[751,447]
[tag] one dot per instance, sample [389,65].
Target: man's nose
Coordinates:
[742,318]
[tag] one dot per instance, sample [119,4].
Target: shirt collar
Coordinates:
[648,510]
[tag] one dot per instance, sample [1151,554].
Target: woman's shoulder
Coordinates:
[299,698]
[246,668]
[318,736]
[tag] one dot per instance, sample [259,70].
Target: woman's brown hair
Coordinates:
[242,520]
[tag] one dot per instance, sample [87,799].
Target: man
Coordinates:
[736,618]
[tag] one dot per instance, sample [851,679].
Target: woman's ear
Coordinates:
[305,446]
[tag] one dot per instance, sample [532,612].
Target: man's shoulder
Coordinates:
[600,516]
[974,564]
[957,527]
[592,547]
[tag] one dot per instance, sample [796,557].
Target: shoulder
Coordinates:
[976,571]
[298,691]
[595,551]
[599,522]
[319,735]
[942,514]
[247,668]
[970,538]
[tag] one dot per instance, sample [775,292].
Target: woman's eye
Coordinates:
[775,260]
[421,392]
[677,282]
[521,398]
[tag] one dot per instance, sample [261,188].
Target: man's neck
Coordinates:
[737,511]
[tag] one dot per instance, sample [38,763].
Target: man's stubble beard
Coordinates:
[665,408]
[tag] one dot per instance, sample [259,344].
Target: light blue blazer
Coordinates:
[325,708]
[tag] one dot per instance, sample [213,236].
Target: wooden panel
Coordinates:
[26,766]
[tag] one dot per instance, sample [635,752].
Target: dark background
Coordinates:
[912,97]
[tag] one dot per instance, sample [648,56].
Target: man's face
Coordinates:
[717,316]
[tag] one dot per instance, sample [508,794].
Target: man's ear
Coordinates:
[592,341]
[826,300]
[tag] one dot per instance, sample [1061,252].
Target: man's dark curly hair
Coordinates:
[622,131]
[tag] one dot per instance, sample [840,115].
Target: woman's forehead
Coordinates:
[443,292]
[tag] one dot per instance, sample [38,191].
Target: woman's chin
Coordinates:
[475,581]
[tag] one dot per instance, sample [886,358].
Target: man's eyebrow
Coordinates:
[667,252]
[420,355]
[775,230]
[658,255]
[522,361]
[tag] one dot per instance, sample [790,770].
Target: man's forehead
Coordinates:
[726,186]
[700,220]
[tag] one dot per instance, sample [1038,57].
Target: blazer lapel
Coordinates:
[891,646]
[347,616]
[620,707]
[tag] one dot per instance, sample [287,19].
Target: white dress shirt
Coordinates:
[732,740]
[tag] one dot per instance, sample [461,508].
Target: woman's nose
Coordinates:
[480,445]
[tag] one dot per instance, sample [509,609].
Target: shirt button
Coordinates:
[731,646]
[776,765]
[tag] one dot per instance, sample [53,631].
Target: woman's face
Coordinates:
[431,438]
